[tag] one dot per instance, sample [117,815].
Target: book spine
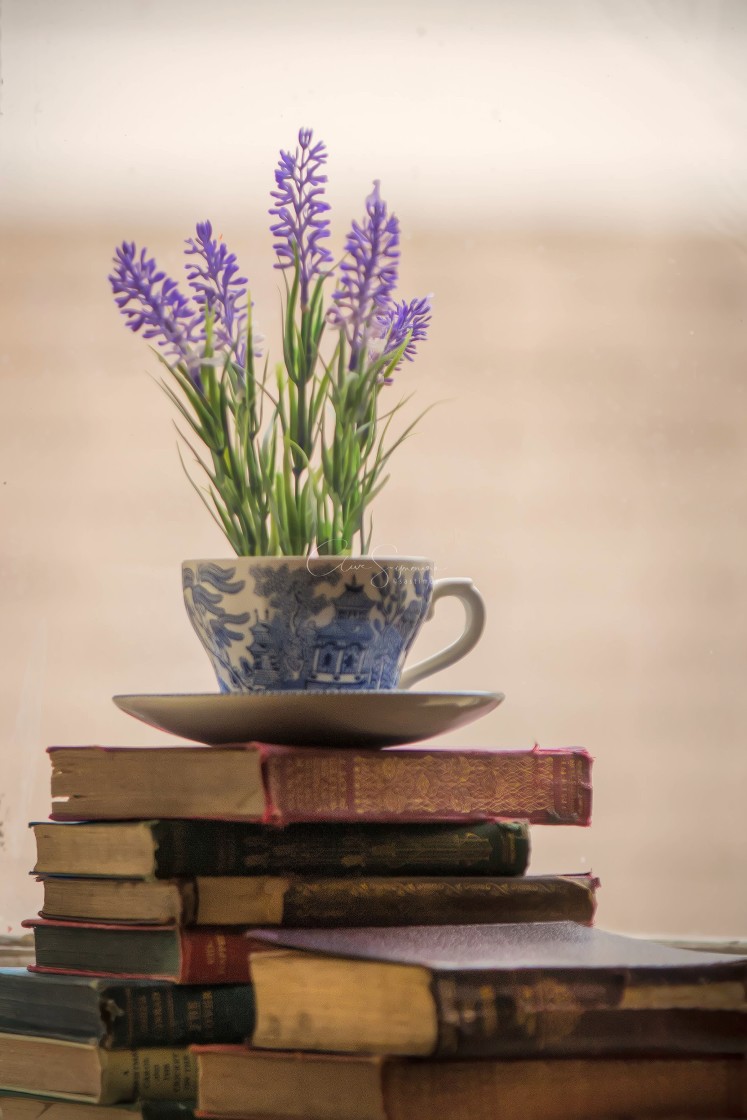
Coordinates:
[438,901]
[154,1074]
[213,956]
[176,1015]
[192,848]
[542,1016]
[540,787]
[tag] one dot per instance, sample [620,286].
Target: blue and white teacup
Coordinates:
[272,623]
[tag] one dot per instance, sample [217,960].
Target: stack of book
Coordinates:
[310,934]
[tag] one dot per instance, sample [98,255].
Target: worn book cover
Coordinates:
[165,849]
[235,1082]
[494,990]
[282,785]
[126,1014]
[86,1072]
[296,900]
[206,955]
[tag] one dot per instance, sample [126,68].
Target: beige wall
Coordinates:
[587,467]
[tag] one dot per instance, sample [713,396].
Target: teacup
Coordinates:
[273,623]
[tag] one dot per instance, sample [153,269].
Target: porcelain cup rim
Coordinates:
[382,560]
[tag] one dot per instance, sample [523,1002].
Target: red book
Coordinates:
[205,955]
[281,785]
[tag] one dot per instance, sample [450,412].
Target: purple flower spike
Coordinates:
[369,278]
[213,277]
[401,320]
[301,209]
[150,301]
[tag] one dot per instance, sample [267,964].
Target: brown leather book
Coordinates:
[298,900]
[235,1082]
[514,990]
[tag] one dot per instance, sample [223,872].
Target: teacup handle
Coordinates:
[474,624]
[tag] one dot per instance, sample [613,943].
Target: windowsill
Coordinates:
[16,951]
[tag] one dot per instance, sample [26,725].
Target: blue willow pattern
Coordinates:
[307,639]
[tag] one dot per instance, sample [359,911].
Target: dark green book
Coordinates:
[123,1014]
[169,849]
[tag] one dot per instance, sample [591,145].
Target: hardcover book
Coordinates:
[281,785]
[129,1014]
[235,1082]
[208,955]
[168,849]
[85,1072]
[308,902]
[516,990]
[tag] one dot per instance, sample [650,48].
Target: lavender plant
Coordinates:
[294,461]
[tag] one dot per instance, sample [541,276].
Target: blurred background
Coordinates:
[571,179]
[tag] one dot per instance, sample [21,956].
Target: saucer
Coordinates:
[304,719]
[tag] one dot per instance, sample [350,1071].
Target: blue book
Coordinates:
[123,1014]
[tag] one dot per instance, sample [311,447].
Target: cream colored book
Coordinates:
[88,1073]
